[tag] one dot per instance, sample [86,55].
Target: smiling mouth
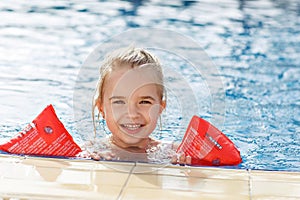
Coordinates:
[132,127]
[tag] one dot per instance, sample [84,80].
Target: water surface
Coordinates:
[254,44]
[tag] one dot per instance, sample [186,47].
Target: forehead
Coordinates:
[126,80]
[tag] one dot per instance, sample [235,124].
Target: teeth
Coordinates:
[132,126]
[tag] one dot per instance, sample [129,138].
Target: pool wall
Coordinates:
[49,178]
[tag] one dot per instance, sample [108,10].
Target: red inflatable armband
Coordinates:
[46,136]
[207,145]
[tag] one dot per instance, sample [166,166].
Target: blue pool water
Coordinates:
[254,45]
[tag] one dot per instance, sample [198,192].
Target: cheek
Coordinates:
[116,112]
[113,112]
[154,112]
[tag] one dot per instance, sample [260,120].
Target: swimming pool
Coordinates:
[254,45]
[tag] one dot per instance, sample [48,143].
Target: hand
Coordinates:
[181,159]
[106,155]
[83,154]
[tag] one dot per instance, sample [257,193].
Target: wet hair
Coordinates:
[135,57]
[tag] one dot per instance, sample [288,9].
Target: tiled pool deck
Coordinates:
[49,178]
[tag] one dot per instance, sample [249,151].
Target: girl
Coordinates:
[130,96]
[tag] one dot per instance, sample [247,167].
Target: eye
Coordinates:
[145,102]
[118,102]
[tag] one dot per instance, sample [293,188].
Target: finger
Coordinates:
[108,155]
[182,159]
[95,156]
[83,154]
[174,159]
[188,160]
[112,155]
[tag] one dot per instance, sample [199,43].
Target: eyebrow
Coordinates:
[147,97]
[116,97]
[122,97]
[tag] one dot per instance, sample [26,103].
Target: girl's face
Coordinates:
[131,104]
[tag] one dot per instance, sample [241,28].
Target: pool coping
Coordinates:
[27,177]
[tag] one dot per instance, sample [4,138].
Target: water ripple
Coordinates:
[255,44]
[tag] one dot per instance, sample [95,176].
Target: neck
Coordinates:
[141,146]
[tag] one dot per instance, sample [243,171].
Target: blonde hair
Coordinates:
[135,57]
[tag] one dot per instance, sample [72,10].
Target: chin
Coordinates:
[133,139]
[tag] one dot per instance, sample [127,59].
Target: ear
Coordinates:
[100,108]
[163,105]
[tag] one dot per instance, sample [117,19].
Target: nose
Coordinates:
[133,111]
